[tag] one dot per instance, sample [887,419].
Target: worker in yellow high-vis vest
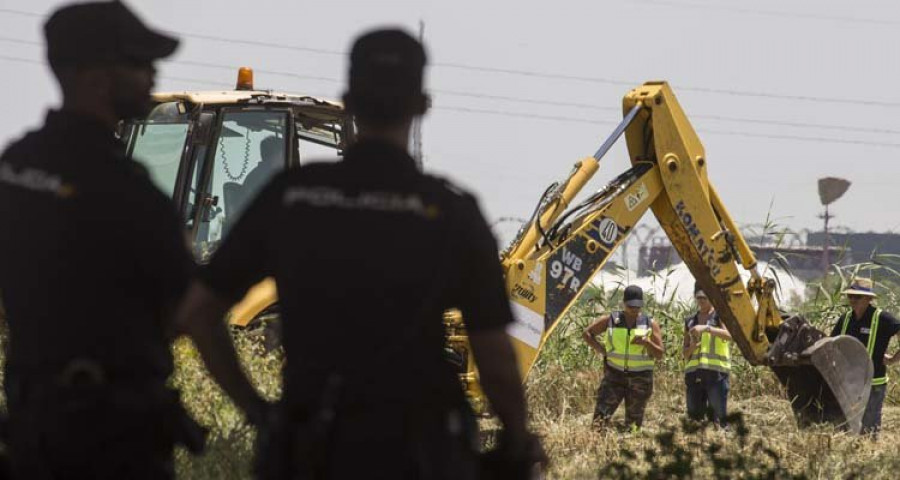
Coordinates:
[874,328]
[631,343]
[707,356]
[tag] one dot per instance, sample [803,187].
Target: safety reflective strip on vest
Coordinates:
[870,345]
[621,354]
[713,354]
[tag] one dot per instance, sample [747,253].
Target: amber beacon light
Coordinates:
[245,79]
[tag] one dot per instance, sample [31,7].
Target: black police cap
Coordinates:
[102,33]
[634,296]
[387,62]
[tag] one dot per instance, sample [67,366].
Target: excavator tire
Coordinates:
[828,379]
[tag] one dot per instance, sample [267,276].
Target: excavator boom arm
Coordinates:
[552,264]
[555,255]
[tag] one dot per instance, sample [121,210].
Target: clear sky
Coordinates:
[781,92]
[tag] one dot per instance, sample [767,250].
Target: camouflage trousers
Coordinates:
[633,387]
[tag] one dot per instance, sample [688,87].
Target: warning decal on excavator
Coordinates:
[632,200]
[528,325]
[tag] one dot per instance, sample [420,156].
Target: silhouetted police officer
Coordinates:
[92,263]
[367,254]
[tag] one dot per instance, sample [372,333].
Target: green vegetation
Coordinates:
[762,442]
[229,451]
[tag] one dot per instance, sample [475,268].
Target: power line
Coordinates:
[798,124]
[802,138]
[529,101]
[22,12]
[564,118]
[201,64]
[257,70]
[539,74]
[213,38]
[772,13]
[719,91]
[22,60]
[804,98]
[716,132]
[164,77]
[505,113]
[256,43]
[20,41]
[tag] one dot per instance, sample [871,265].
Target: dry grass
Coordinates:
[561,393]
[562,404]
[229,450]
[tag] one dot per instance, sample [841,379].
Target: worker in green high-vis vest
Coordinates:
[707,357]
[631,343]
[874,328]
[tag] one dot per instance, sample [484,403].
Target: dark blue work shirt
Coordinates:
[888,326]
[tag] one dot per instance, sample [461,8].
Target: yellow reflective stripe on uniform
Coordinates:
[639,368]
[621,354]
[846,323]
[713,354]
[630,356]
[873,331]
[873,334]
[716,368]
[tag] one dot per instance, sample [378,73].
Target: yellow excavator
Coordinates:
[203,148]
[557,252]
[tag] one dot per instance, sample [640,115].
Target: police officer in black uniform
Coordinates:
[93,261]
[367,254]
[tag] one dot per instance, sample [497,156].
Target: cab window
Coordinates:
[158,141]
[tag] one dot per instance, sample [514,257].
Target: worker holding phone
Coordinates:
[631,344]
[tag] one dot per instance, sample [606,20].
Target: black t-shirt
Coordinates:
[888,326]
[91,253]
[367,253]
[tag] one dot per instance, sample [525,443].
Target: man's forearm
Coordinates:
[656,351]
[201,318]
[597,346]
[720,333]
[689,350]
[500,378]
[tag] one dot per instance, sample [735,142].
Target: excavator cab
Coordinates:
[213,151]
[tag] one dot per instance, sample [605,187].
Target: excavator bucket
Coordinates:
[827,381]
